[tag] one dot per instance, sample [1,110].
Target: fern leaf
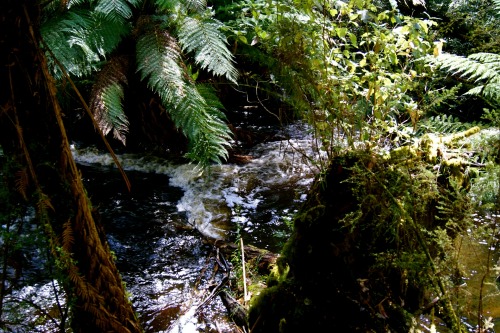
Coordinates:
[195,5]
[472,68]
[486,57]
[107,97]
[109,111]
[496,5]
[187,5]
[56,37]
[44,204]
[80,39]
[159,62]
[72,3]
[203,37]
[67,236]
[490,91]
[115,10]
[200,121]
[443,124]
[21,182]
[480,68]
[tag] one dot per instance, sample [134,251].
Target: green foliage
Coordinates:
[471,27]
[482,69]
[348,67]
[442,124]
[80,39]
[116,10]
[485,190]
[84,35]
[203,37]
[159,61]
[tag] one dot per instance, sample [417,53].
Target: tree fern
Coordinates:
[80,39]
[159,62]
[202,36]
[482,69]
[116,10]
[183,33]
[107,97]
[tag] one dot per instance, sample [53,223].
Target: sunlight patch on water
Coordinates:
[226,198]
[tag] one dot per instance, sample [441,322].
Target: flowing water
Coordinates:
[157,230]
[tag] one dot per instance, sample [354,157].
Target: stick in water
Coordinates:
[245,296]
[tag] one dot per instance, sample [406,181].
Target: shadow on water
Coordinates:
[157,230]
[163,261]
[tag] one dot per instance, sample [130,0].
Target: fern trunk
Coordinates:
[32,130]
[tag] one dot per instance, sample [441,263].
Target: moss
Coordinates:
[342,268]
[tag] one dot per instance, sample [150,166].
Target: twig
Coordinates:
[245,295]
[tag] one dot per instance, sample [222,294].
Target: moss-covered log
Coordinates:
[353,262]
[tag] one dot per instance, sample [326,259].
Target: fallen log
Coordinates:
[236,311]
[263,259]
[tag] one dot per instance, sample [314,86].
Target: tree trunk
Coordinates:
[32,131]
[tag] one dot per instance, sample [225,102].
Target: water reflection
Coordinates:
[157,230]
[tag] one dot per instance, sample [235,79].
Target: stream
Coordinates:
[157,230]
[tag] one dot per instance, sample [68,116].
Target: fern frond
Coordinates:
[195,5]
[480,68]
[71,3]
[486,57]
[201,122]
[67,236]
[208,93]
[96,34]
[112,115]
[107,97]
[490,91]
[72,58]
[496,5]
[159,62]
[22,181]
[187,5]
[115,10]
[203,37]
[469,68]
[442,124]
[43,204]
[80,39]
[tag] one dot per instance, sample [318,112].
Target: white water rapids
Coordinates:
[163,263]
[230,193]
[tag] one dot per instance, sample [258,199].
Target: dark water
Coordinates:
[162,259]
[157,230]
